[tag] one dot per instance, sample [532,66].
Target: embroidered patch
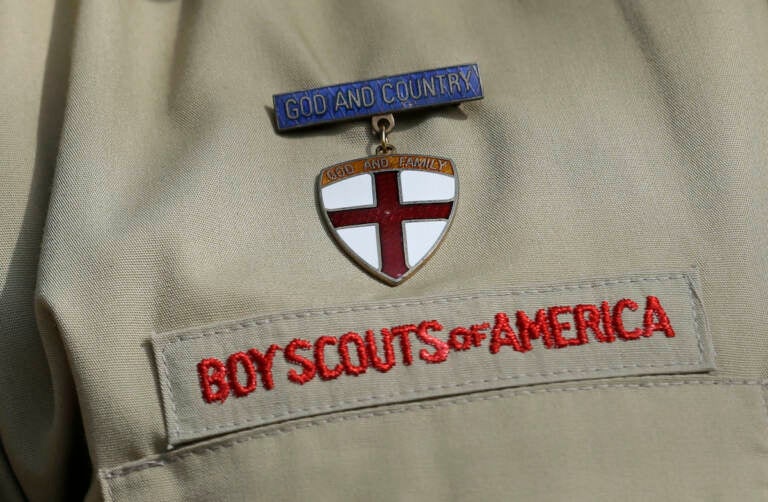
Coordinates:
[276,368]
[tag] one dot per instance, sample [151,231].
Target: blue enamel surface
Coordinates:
[366,98]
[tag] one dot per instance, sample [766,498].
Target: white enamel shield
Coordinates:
[389,212]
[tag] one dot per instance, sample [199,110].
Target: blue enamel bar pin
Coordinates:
[378,96]
[389,212]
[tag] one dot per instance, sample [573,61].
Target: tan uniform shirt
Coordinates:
[619,154]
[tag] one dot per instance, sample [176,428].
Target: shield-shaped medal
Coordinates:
[389,212]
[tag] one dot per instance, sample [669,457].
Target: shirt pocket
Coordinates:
[345,400]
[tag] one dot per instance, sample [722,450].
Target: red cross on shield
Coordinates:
[389,212]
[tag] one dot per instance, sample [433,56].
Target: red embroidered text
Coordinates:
[327,358]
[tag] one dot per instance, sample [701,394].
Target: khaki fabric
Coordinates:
[42,451]
[490,447]
[615,138]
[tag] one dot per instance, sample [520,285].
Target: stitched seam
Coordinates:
[173,417]
[700,323]
[125,471]
[341,404]
[696,325]
[446,300]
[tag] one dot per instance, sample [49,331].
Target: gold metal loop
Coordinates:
[384,149]
[382,125]
[388,120]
